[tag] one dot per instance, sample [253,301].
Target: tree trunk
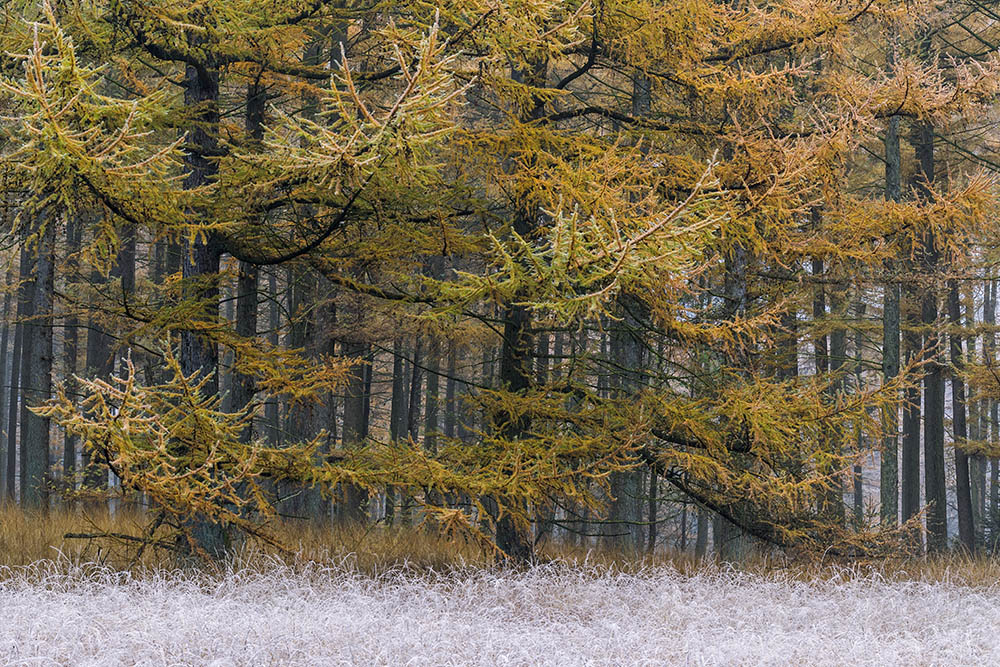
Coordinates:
[859,499]
[38,371]
[889,461]
[934,473]
[627,359]
[24,303]
[651,513]
[352,511]
[12,413]
[431,416]
[271,415]
[989,412]
[4,382]
[198,354]
[701,537]
[397,416]
[838,358]
[963,490]
[243,386]
[450,408]
[74,230]
[910,468]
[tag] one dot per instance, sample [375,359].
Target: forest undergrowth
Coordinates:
[66,542]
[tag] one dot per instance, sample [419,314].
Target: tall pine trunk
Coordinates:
[5,381]
[934,473]
[966,531]
[889,460]
[37,388]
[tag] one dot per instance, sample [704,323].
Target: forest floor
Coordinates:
[57,613]
[377,596]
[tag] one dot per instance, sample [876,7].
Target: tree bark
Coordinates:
[431,412]
[38,372]
[24,304]
[354,431]
[858,479]
[963,490]
[271,415]
[74,230]
[199,355]
[934,473]
[889,460]
[4,383]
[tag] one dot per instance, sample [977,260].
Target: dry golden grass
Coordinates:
[27,538]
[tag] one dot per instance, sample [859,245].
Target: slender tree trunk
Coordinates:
[199,355]
[301,419]
[934,473]
[352,511]
[24,304]
[74,230]
[397,416]
[977,433]
[889,461]
[271,415]
[4,382]
[431,413]
[821,352]
[910,468]
[416,384]
[651,512]
[12,413]
[966,532]
[838,359]
[243,386]
[627,359]
[990,411]
[701,536]
[38,371]
[859,499]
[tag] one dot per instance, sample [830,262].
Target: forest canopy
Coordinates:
[516,271]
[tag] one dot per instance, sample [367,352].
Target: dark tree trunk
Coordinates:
[10,464]
[354,433]
[821,352]
[963,490]
[834,501]
[199,354]
[651,512]
[627,360]
[910,468]
[416,383]
[4,382]
[397,416]
[450,409]
[859,499]
[431,416]
[243,387]
[24,304]
[271,415]
[38,371]
[889,461]
[701,537]
[934,473]
[304,501]
[74,231]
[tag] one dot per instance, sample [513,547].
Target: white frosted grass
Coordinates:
[554,615]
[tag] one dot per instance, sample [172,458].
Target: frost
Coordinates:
[553,615]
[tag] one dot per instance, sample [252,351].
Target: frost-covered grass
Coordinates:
[551,615]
